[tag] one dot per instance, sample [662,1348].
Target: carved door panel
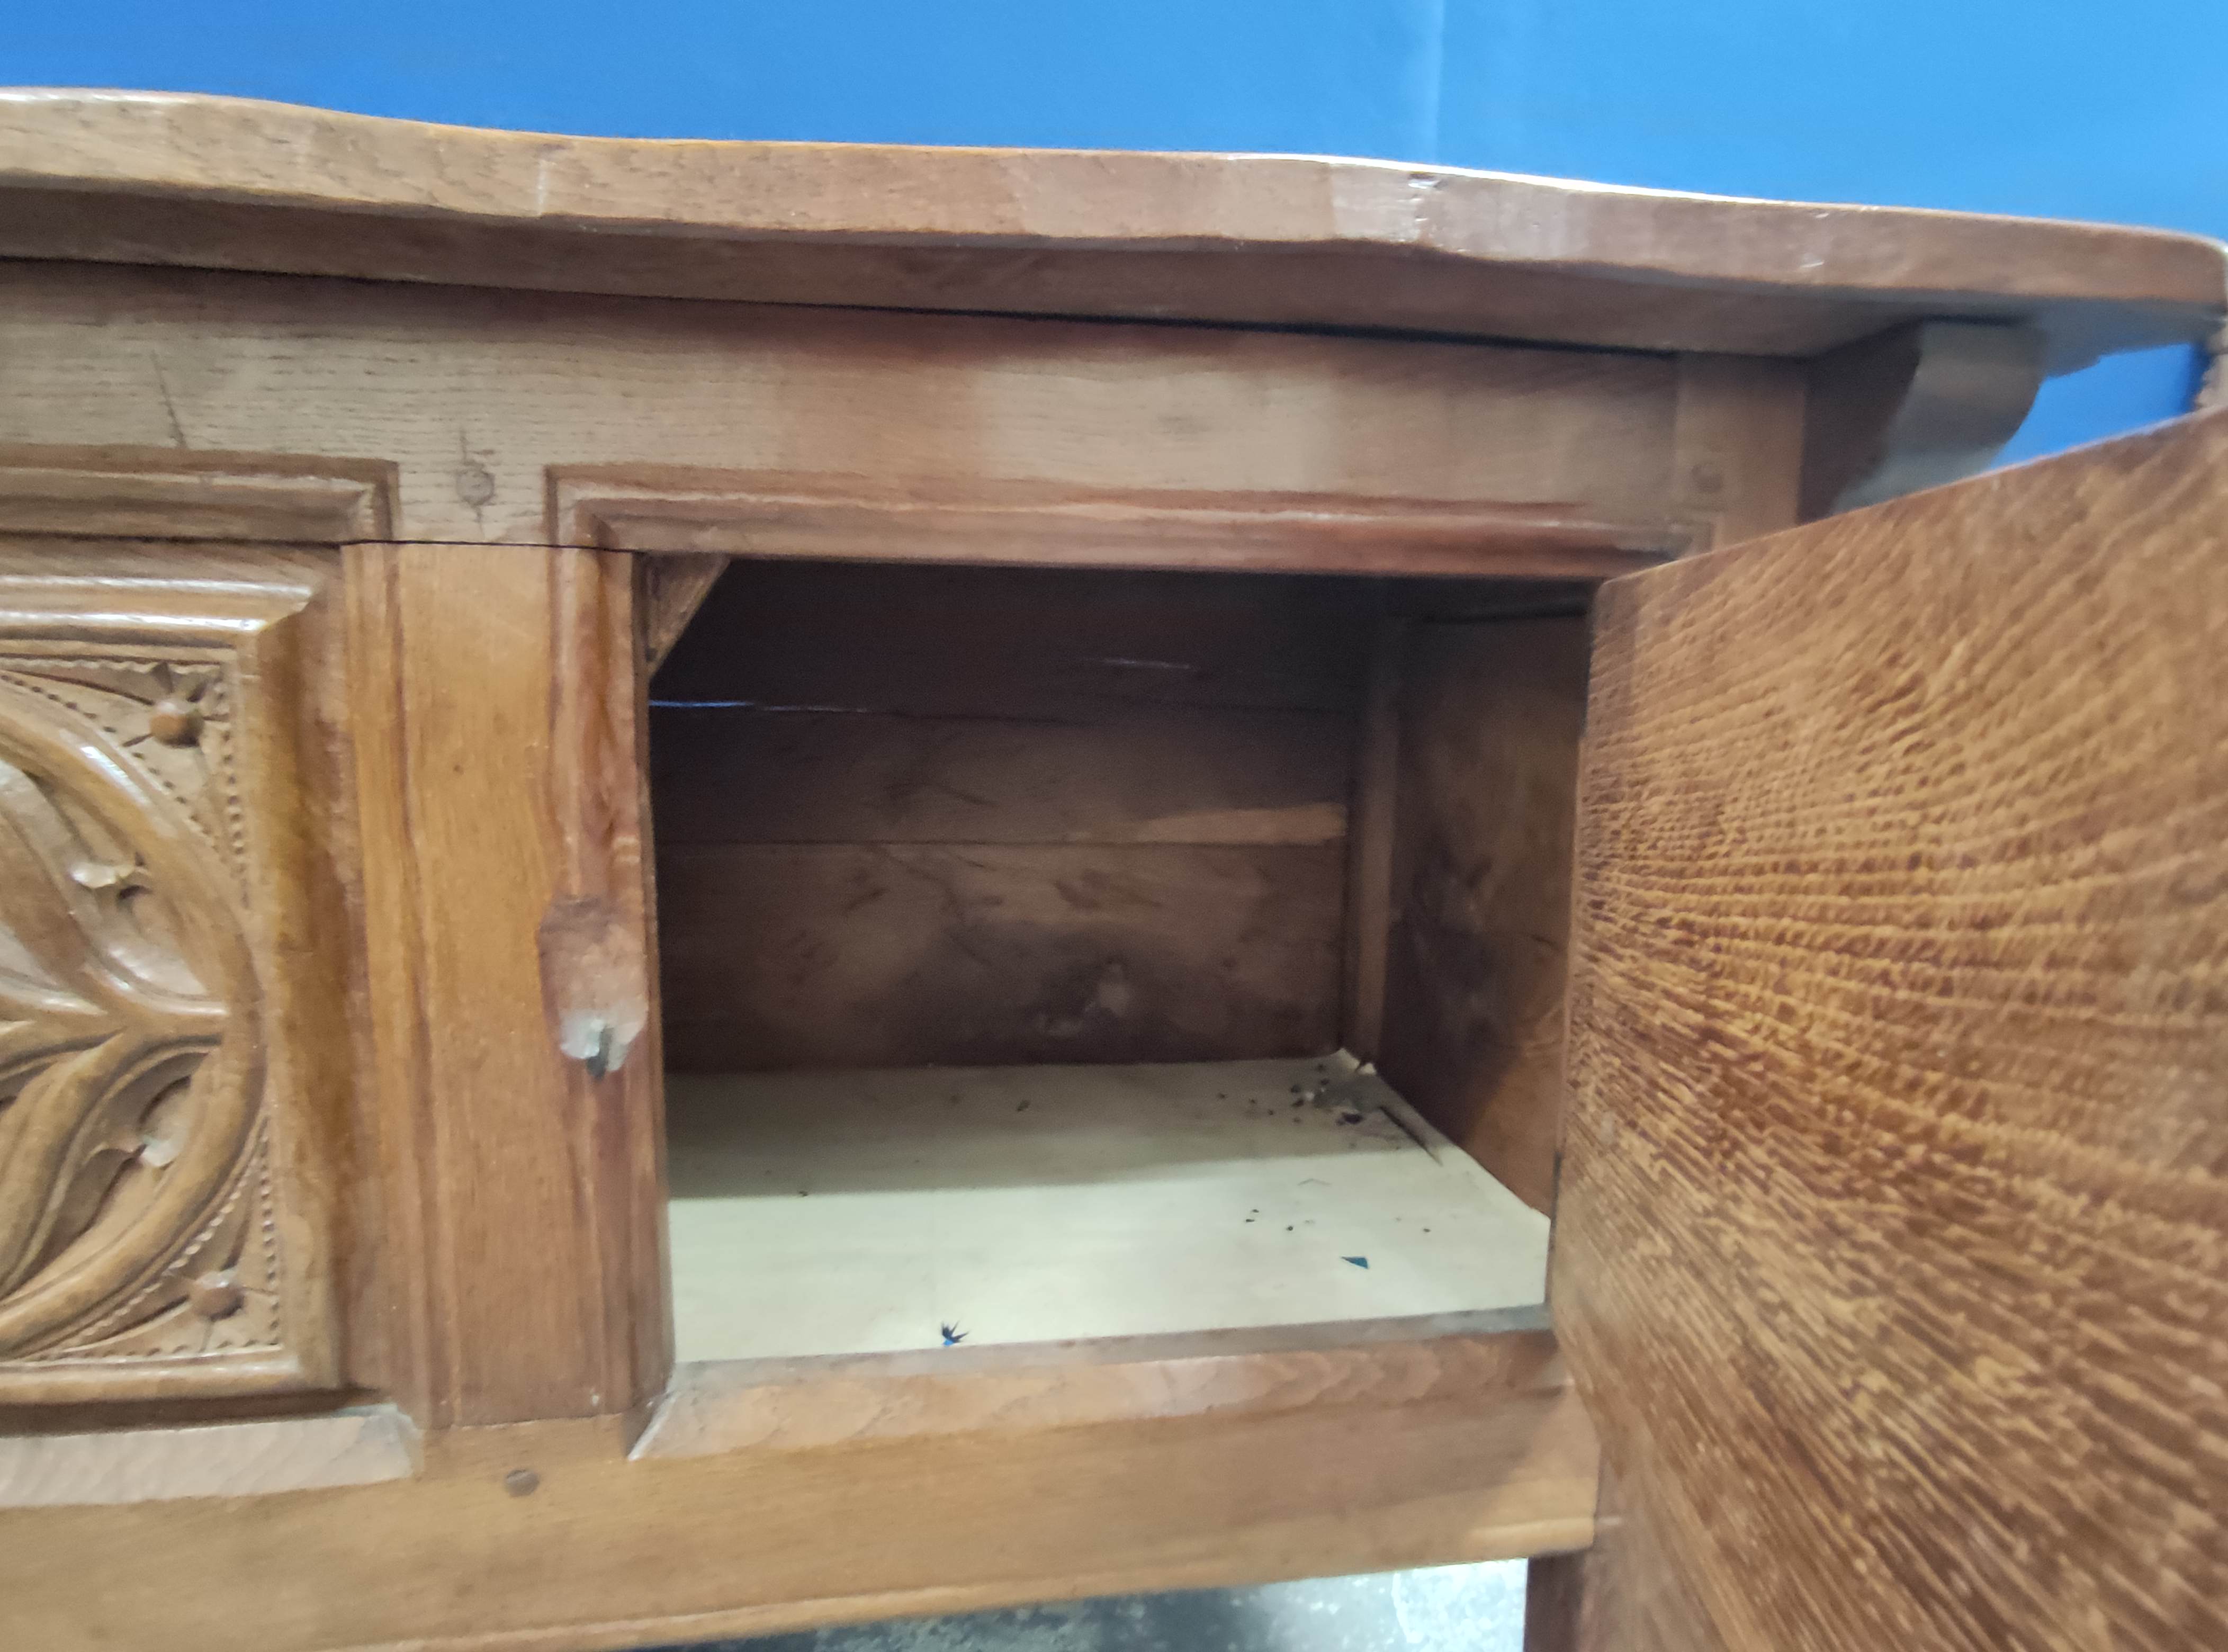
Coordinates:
[168,1020]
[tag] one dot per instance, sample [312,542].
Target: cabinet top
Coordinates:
[1276,239]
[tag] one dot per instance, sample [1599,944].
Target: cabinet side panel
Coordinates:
[1487,732]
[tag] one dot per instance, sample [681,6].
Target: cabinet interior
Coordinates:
[1058,954]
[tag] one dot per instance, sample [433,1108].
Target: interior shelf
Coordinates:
[859,1212]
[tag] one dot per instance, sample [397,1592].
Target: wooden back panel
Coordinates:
[1892,1247]
[946,815]
[1488,719]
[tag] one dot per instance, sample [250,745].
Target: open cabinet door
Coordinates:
[1892,1247]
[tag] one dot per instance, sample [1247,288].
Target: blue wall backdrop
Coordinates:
[2065,108]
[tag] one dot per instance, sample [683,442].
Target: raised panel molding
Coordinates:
[162,493]
[1025,522]
[150,1244]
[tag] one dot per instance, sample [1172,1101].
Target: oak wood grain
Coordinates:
[1179,774]
[165,493]
[812,1402]
[496,726]
[1616,1595]
[947,642]
[942,954]
[1402,1452]
[176,1120]
[1736,445]
[1490,718]
[472,398]
[705,513]
[1371,819]
[1916,407]
[112,1466]
[1892,1250]
[922,815]
[674,588]
[229,182]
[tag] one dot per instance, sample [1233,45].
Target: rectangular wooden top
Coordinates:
[1283,240]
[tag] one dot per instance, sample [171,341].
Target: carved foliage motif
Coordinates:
[135,1209]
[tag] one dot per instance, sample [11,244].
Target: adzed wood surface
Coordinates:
[137,176]
[1892,1250]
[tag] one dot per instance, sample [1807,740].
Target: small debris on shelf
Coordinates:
[952,1335]
[1023,1108]
[1349,1118]
[1358,1261]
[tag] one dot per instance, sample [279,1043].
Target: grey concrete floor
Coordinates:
[1446,1609]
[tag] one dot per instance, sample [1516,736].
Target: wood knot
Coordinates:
[174,722]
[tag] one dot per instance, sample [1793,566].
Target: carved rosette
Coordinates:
[136,1214]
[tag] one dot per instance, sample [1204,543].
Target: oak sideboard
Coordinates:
[745,884]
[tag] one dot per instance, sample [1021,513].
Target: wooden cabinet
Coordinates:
[732,900]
